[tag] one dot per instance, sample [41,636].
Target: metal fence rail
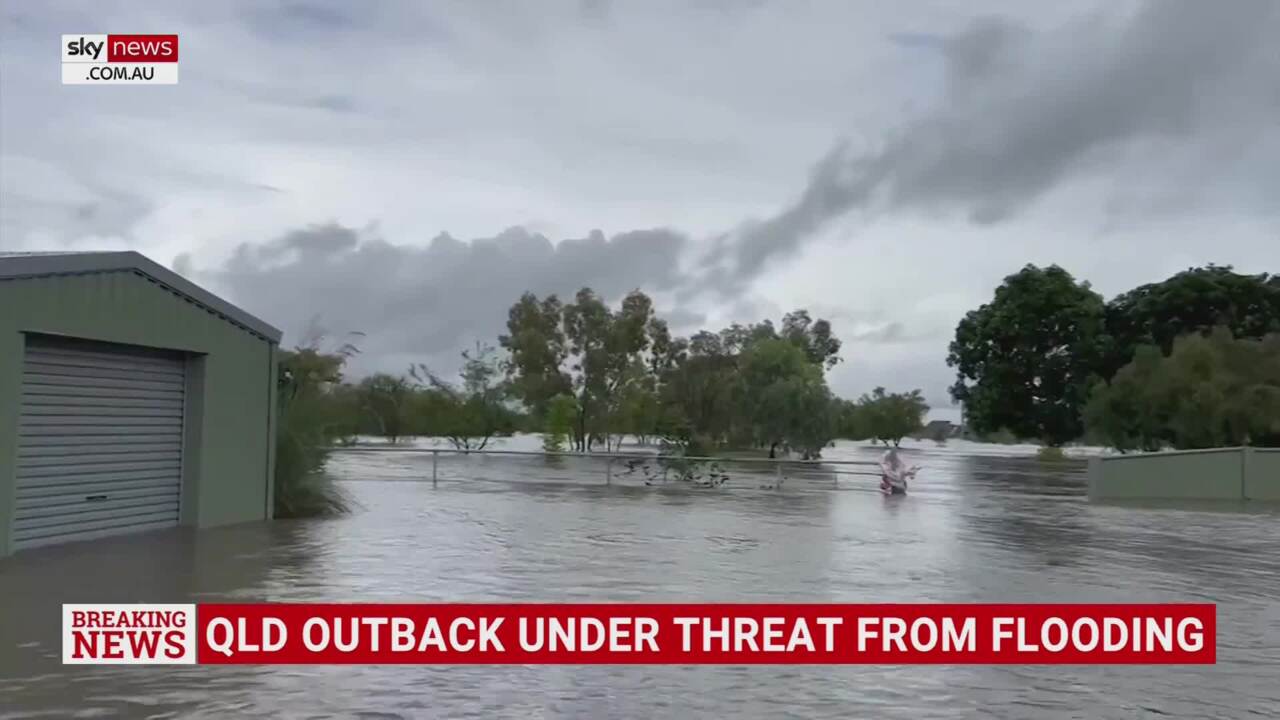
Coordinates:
[613,458]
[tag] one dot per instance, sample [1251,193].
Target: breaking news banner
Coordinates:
[119,59]
[638,634]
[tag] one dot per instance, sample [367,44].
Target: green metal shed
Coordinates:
[130,400]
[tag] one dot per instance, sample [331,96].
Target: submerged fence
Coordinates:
[1239,473]
[701,470]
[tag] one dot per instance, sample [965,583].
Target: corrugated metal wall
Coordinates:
[99,441]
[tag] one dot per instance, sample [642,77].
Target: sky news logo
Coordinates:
[119,59]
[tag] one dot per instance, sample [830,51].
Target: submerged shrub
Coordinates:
[1051,453]
[306,428]
[303,489]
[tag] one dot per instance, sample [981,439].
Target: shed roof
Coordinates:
[15,266]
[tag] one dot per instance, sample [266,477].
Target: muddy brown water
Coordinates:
[977,527]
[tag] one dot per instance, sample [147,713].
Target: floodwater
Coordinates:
[977,527]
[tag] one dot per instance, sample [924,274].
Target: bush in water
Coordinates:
[305,430]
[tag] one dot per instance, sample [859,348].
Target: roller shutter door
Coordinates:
[99,441]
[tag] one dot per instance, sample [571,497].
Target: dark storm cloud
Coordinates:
[430,300]
[1022,111]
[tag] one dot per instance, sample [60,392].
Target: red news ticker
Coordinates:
[641,634]
[142,48]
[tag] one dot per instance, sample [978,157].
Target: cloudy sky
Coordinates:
[406,169]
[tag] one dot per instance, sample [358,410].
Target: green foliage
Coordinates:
[751,385]
[1194,301]
[1026,360]
[638,409]
[813,337]
[562,410]
[583,348]
[783,397]
[592,374]
[387,399]
[1209,391]
[473,413]
[629,376]
[307,423]
[885,417]
[538,350]
[1051,453]
[1001,436]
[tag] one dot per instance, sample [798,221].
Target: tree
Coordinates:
[386,399]
[1209,391]
[474,412]
[584,349]
[538,348]
[1193,301]
[562,412]
[849,422]
[887,417]
[811,407]
[698,393]
[638,410]
[1122,413]
[779,389]
[605,350]
[627,375]
[1026,360]
[814,337]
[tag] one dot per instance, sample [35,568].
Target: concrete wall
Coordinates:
[230,451]
[1216,474]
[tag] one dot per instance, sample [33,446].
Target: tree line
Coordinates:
[587,375]
[1189,362]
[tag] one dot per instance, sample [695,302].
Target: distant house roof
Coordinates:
[16,266]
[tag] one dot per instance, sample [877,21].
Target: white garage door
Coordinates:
[99,442]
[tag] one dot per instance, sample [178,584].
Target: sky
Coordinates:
[406,170]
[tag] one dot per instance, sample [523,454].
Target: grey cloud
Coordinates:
[428,301]
[299,18]
[918,40]
[332,103]
[940,401]
[183,265]
[1022,111]
[889,333]
[594,10]
[682,319]
[109,213]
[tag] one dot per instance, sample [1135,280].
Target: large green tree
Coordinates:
[1025,360]
[538,349]
[883,416]
[814,337]
[1209,391]
[780,391]
[1193,301]
[584,349]
[698,393]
